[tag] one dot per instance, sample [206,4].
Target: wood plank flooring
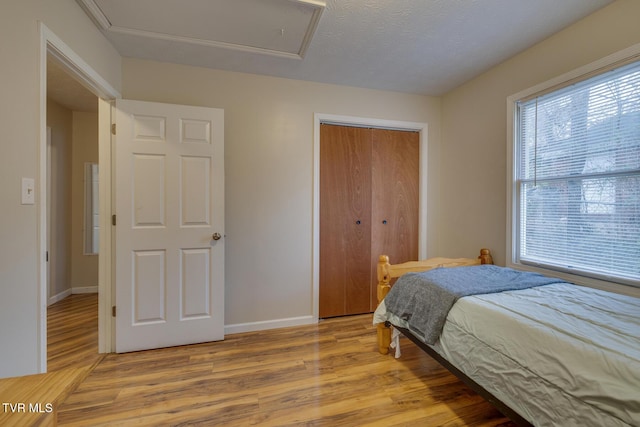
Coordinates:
[325,374]
[72,332]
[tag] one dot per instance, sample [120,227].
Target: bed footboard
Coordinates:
[387,272]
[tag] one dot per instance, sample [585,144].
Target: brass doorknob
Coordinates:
[216,236]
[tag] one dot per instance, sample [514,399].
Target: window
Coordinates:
[576,189]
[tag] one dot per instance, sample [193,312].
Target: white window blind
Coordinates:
[578,177]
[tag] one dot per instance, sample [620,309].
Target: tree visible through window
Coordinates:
[578,176]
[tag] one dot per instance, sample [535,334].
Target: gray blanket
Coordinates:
[424,299]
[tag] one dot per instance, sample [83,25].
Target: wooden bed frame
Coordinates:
[387,272]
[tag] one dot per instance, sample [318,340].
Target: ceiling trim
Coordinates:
[315,19]
[202,42]
[103,22]
[95,13]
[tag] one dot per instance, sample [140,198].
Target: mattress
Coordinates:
[559,355]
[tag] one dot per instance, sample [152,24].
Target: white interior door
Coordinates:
[169,177]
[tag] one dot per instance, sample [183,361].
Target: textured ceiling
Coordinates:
[415,46]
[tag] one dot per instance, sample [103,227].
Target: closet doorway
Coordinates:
[368,205]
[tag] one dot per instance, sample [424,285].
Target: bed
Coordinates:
[543,351]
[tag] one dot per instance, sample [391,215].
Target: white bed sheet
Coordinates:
[559,355]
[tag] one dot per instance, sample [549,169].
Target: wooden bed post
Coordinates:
[384,279]
[485,256]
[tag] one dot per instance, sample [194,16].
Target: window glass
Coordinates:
[578,177]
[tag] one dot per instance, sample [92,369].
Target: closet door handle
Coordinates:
[384,221]
[358,222]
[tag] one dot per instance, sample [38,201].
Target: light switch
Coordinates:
[28,191]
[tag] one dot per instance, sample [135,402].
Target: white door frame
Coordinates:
[50,44]
[47,207]
[320,118]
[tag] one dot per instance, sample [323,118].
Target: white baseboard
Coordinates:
[269,324]
[59,297]
[75,290]
[84,290]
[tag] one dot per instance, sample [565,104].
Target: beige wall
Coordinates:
[84,268]
[74,141]
[60,119]
[20,304]
[472,209]
[269,170]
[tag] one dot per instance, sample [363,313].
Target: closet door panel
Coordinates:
[395,198]
[345,225]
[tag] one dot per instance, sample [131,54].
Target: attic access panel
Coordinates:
[276,27]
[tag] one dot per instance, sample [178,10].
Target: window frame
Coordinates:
[631,54]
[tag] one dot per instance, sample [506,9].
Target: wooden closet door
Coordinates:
[345,220]
[395,198]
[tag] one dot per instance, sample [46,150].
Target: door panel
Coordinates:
[395,197]
[149,287]
[195,172]
[169,202]
[195,272]
[345,226]
[149,190]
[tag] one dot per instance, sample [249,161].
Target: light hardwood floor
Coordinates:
[72,332]
[325,374]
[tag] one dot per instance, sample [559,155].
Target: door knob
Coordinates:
[216,236]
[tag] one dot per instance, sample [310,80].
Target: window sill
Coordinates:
[579,280]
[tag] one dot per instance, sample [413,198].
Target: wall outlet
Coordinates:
[28,191]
